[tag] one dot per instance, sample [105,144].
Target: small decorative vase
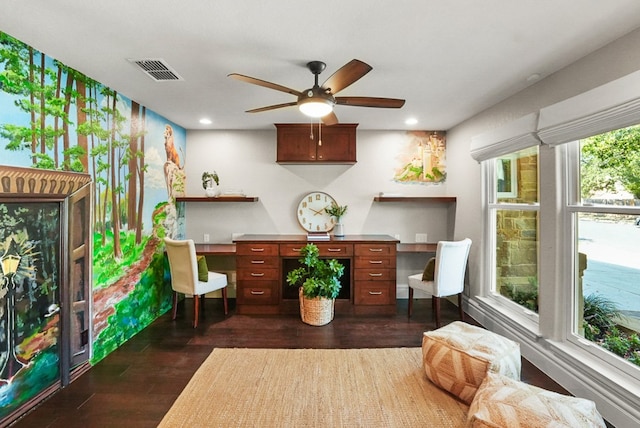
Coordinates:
[338,230]
[212,190]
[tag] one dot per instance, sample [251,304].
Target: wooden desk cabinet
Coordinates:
[369,281]
[295,145]
[375,274]
[258,274]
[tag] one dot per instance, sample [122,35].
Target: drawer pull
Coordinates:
[257,274]
[257,250]
[375,274]
[257,292]
[375,293]
[334,250]
[375,262]
[297,250]
[375,250]
[257,262]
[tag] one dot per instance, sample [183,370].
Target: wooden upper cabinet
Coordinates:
[305,143]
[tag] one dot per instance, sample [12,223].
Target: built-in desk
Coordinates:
[216,249]
[262,263]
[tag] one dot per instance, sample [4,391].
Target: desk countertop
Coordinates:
[303,238]
[230,249]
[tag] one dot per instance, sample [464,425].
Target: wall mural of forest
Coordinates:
[54,117]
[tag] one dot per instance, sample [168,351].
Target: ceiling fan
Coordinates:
[319,101]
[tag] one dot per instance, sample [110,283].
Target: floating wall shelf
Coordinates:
[436,199]
[217,199]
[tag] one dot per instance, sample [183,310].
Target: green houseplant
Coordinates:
[319,283]
[337,211]
[208,178]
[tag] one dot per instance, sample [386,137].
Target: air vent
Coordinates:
[157,69]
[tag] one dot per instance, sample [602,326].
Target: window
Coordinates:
[513,214]
[605,221]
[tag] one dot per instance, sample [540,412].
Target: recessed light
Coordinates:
[205,121]
[411,121]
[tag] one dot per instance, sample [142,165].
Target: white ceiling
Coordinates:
[448,59]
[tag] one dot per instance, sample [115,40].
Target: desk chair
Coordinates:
[448,276]
[183,265]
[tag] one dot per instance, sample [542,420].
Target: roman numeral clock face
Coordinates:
[311,212]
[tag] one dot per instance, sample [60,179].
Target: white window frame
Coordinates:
[524,315]
[572,207]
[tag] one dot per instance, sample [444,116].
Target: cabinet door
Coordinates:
[78,293]
[302,143]
[296,144]
[337,145]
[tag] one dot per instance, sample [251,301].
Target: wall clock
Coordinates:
[311,212]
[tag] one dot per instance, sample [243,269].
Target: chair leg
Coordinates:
[460,307]
[196,310]
[174,306]
[436,309]
[224,301]
[410,311]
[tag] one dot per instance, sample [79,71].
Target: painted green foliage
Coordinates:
[57,118]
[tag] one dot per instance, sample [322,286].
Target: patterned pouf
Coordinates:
[504,402]
[458,357]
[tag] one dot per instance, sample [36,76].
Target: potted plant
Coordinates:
[337,211]
[208,179]
[319,284]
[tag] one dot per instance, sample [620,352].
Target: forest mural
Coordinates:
[54,117]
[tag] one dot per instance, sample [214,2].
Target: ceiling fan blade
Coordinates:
[370,102]
[273,107]
[345,76]
[330,119]
[264,83]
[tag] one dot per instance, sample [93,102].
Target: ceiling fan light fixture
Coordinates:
[316,107]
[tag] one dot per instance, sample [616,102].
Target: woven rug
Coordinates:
[314,388]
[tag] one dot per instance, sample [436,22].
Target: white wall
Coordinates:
[622,57]
[246,160]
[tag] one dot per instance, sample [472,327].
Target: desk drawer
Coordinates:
[374,274]
[374,262]
[257,292]
[257,273]
[375,293]
[326,249]
[246,249]
[257,261]
[375,249]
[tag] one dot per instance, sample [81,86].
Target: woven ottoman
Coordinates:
[504,402]
[458,357]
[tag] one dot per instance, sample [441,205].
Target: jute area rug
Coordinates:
[314,388]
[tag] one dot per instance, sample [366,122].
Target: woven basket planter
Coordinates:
[316,311]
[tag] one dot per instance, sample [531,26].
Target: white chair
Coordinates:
[448,276]
[183,265]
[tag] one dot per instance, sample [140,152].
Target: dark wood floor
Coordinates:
[136,385]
